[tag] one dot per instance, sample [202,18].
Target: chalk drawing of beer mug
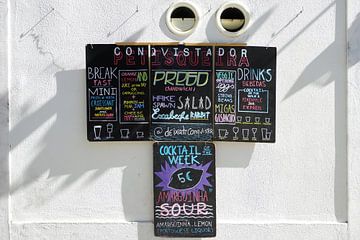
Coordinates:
[266,134]
[223,133]
[124,133]
[245,134]
[97,132]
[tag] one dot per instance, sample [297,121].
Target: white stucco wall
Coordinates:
[354,117]
[4,124]
[63,187]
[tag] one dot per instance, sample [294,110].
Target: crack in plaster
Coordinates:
[36,39]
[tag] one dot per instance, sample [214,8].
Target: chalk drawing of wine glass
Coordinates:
[236,131]
[257,119]
[239,119]
[247,118]
[97,132]
[245,134]
[109,130]
[267,120]
[254,130]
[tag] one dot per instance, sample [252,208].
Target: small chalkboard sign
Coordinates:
[244,99]
[181,92]
[184,189]
[117,81]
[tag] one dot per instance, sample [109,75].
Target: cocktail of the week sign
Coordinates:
[184,189]
[175,92]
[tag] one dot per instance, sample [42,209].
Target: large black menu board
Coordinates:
[117,82]
[184,189]
[181,92]
[244,99]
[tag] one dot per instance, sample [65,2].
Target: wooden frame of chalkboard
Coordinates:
[242,107]
[184,189]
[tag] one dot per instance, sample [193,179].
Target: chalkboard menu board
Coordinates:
[244,99]
[184,189]
[177,92]
[117,92]
[181,92]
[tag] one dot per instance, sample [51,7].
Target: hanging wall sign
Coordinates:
[176,92]
[181,92]
[244,96]
[184,189]
[117,92]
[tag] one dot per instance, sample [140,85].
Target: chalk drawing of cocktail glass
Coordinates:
[124,133]
[97,132]
[245,134]
[139,134]
[254,130]
[109,130]
[236,131]
[265,134]
[223,134]
[247,118]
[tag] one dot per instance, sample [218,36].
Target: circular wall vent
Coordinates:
[232,19]
[182,18]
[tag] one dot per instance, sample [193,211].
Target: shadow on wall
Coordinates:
[354,42]
[65,140]
[66,152]
[4,146]
[322,71]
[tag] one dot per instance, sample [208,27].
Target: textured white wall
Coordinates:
[62,185]
[354,117]
[4,124]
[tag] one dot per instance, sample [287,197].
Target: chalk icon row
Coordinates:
[248,119]
[246,134]
[124,132]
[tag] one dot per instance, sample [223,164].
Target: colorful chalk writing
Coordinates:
[184,189]
[245,98]
[177,92]
[133,95]
[181,92]
[118,92]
